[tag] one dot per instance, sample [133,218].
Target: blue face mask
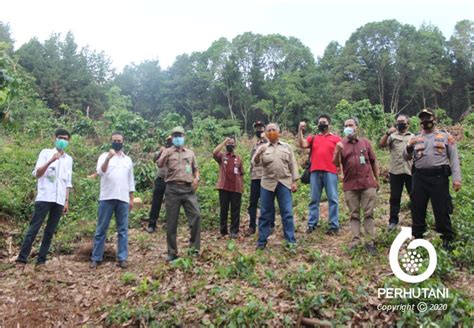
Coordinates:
[178,141]
[348,131]
[61,144]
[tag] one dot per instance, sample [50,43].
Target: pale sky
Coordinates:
[133,31]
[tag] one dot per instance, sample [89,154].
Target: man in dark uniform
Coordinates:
[182,180]
[256,172]
[435,158]
[159,188]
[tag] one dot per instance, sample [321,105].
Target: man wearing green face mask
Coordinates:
[54,173]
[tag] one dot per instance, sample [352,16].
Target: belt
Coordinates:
[442,170]
[179,183]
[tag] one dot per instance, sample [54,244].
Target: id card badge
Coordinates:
[188,168]
[236,170]
[362,159]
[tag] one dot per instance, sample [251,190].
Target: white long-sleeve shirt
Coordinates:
[118,181]
[57,178]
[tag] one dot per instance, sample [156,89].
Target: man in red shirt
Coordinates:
[323,172]
[230,185]
[360,181]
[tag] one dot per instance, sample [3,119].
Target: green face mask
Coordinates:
[61,144]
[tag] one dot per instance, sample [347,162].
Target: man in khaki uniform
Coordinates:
[182,179]
[396,139]
[280,173]
[256,172]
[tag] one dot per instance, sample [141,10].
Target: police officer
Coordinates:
[435,158]
[182,179]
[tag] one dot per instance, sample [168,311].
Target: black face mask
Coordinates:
[230,148]
[258,134]
[427,125]
[117,146]
[323,127]
[401,126]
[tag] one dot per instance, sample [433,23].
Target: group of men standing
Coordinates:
[422,163]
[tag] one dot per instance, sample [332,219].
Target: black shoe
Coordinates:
[234,236]
[93,264]
[371,249]
[192,251]
[249,232]
[392,226]
[291,247]
[447,245]
[171,258]
[310,230]
[40,266]
[122,264]
[260,248]
[332,231]
[150,230]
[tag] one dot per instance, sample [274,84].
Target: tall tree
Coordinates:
[461,50]
[66,76]
[144,84]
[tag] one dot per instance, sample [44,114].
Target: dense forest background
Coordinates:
[384,68]
[397,66]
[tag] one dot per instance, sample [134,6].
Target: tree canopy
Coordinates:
[268,77]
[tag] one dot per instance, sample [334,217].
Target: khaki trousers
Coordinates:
[364,200]
[177,196]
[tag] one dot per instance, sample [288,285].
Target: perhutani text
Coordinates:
[433,293]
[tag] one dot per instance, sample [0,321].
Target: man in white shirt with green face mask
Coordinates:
[54,173]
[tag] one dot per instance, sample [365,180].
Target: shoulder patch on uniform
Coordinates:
[451,139]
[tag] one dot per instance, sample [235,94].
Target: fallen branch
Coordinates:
[312,322]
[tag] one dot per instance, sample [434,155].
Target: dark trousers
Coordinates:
[397,181]
[41,210]
[253,204]
[158,194]
[436,189]
[234,200]
[177,195]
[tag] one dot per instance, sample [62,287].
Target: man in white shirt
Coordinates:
[54,173]
[117,185]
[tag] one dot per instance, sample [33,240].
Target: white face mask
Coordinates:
[348,131]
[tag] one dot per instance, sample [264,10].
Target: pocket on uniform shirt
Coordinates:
[285,156]
[267,156]
[440,148]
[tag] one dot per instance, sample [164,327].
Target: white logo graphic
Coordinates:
[412,260]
